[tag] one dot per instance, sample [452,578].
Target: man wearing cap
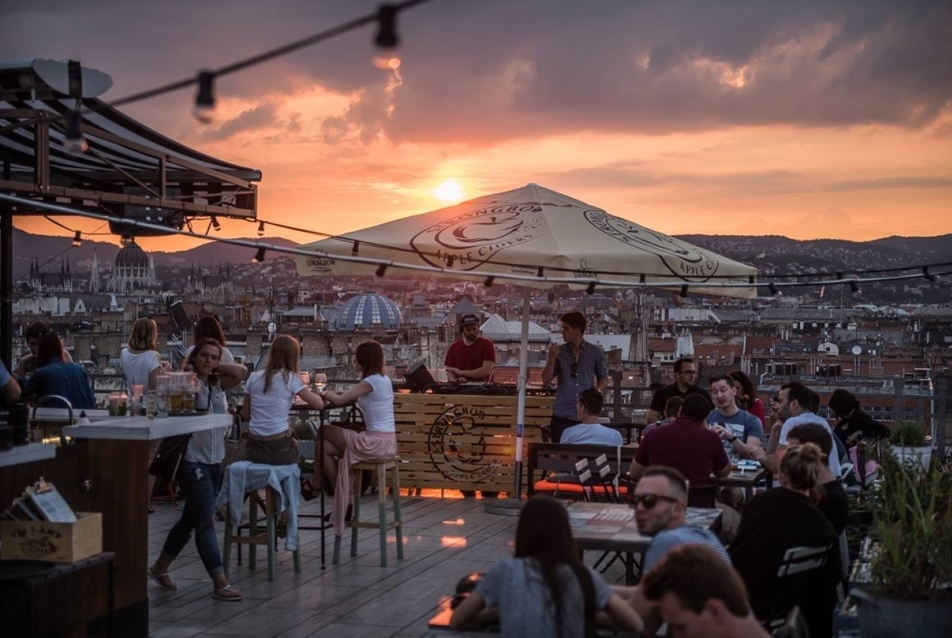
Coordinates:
[472,358]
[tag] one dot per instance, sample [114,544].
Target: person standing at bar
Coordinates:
[577,365]
[471,358]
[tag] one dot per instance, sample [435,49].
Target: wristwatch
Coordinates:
[732,439]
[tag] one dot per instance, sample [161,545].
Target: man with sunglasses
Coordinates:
[660,500]
[577,365]
[685,383]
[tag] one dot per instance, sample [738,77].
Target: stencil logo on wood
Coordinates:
[457,447]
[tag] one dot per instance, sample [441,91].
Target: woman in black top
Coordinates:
[852,423]
[781,519]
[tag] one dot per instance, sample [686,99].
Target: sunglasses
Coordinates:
[650,500]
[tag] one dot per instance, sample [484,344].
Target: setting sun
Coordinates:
[449,191]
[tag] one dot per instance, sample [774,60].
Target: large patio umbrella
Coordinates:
[538,235]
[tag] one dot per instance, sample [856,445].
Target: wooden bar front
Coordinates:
[464,442]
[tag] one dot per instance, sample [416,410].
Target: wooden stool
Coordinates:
[393,464]
[254,538]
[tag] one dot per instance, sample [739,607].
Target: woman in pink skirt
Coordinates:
[374,395]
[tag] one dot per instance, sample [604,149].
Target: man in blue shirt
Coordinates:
[741,431]
[589,431]
[577,365]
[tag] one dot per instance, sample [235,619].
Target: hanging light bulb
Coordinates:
[259,256]
[215,224]
[205,99]
[75,142]
[684,291]
[382,270]
[854,287]
[78,239]
[387,39]
[261,228]
[774,290]
[488,283]
[591,289]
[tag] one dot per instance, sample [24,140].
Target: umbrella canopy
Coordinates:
[534,232]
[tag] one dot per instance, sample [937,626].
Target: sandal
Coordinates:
[162,580]
[228,593]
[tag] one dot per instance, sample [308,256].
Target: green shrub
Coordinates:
[913,523]
[908,434]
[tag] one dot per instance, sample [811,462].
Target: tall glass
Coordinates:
[189,392]
[163,384]
[320,381]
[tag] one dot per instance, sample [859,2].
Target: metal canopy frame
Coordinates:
[129,170]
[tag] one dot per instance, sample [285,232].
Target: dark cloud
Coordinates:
[482,72]
[259,117]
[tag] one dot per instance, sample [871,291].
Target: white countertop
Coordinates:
[27,454]
[53,415]
[139,428]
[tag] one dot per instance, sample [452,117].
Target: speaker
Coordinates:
[418,377]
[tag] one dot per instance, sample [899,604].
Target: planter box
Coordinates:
[54,542]
[922,454]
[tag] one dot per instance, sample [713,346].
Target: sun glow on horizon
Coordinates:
[449,191]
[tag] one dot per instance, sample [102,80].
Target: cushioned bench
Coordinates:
[578,471]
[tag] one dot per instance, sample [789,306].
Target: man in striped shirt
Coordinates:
[577,365]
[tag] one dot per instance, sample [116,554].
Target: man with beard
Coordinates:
[471,358]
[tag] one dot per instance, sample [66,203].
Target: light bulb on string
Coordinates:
[75,142]
[78,239]
[261,228]
[386,39]
[215,223]
[205,98]
[259,256]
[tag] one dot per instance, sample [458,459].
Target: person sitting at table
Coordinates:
[200,474]
[671,411]
[685,445]
[544,590]
[833,501]
[343,447]
[269,395]
[853,423]
[660,500]
[699,595]
[30,362]
[780,519]
[589,430]
[58,376]
[140,361]
[747,395]
[208,327]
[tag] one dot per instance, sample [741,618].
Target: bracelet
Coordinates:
[733,439]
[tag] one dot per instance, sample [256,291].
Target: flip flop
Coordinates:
[228,594]
[158,580]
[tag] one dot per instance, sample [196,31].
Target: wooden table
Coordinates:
[105,470]
[612,527]
[745,478]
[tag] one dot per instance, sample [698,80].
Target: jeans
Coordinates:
[199,483]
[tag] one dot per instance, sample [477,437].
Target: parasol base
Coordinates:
[504,506]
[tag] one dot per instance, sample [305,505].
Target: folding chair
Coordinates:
[799,564]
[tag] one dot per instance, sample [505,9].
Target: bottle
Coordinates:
[150,405]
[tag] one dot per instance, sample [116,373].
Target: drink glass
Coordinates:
[320,381]
[176,400]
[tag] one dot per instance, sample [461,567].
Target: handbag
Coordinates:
[165,463]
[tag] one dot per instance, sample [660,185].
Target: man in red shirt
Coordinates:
[472,358]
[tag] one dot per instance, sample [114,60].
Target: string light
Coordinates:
[774,290]
[75,142]
[261,228]
[78,239]
[539,273]
[854,287]
[641,279]
[591,289]
[928,275]
[488,283]
[381,270]
[205,98]
[356,249]
[259,256]
[684,291]
[387,39]
[215,223]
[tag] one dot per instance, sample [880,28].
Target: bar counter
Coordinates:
[104,469]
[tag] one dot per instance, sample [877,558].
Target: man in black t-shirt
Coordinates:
[685,383]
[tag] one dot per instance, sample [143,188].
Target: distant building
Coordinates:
[50,282]
[134,271]
[366,312]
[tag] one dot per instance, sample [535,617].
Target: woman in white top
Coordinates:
[374,395]
[141,363]
[269,395]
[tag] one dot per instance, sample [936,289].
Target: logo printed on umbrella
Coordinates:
[473,238]
[690,263]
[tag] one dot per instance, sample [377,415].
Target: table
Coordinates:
[628,427]
[612,527]
[745,478]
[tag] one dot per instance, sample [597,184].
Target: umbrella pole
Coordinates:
[521,410]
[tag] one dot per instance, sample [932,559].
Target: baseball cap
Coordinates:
[469,319]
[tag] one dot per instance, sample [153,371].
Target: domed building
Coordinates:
[134,270]
[366,312]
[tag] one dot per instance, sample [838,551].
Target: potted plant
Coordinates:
[908,441]
[911,570]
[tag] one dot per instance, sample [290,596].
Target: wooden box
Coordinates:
[54,542]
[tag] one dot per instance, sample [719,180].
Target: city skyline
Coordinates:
[819,120]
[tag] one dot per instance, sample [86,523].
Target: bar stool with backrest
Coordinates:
[381,524]
[253,477]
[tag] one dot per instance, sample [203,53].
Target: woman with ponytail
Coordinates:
[778,520]
[545,590]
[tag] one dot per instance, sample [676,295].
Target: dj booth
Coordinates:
[463,437]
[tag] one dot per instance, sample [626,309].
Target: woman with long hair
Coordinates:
[54,375]
[545,590]
[374,396]
[200,475]
[269,395]
[141,363]
[208,327]
[747,396]
[780,519]
[852,422]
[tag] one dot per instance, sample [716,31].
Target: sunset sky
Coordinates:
[807,119]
